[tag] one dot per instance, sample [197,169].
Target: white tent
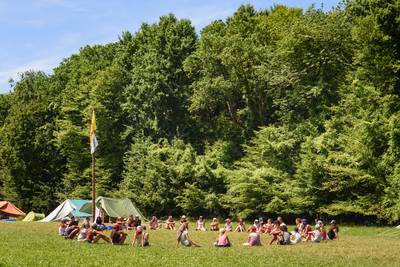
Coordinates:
[67,208]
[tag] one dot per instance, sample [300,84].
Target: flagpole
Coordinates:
[93,186]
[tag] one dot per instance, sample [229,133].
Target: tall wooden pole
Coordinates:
[93,186]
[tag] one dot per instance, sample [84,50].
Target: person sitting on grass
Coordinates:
[241,227]
[72,229]
[275,232]
[94,234]
[170,223]
[84,228]
[307,233]
[99,225]
[317,235]
[284,237]
[323,230]
[256,224]
[200,224]
[154,223]
[137,221]
[222,239]
[295,236]
[117,235]
[182,236]
[254,238]
[130,223]
[141,237]
[228,225]
[299,224]
[214,225]
[333,232]
[63,226]
[267,227]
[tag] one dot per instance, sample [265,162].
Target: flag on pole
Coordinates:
[93,139]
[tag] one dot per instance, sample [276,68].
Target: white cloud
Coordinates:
[46,65]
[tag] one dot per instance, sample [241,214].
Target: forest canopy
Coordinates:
[274,111]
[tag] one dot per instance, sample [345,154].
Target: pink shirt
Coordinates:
[222,240]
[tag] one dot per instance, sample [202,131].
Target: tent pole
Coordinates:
[93,187]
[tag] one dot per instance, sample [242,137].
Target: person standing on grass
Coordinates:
[182,236]
[141,237]
[333,232]
[118,236]
[200,224]
[253,238]
[214,225]
[222,239]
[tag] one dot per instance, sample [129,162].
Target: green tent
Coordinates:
[113,207]
[33,216]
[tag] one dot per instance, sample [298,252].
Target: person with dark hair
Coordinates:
[241,226]
[154,223]
[276,231]
[170,223]
[99,225]
[182,236]
[130,223]
[117,235]
[295,236]
[284,237]
[72,229]
[333,232]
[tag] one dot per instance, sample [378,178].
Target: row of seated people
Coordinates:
[278,230]
[91,233]
[304,229]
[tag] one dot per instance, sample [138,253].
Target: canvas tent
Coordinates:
[7,209]
[67,208]
[33,216]
[113,207]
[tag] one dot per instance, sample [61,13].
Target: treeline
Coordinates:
[275,111]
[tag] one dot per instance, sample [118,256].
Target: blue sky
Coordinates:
[38,34]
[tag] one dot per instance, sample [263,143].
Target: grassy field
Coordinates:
[37,244]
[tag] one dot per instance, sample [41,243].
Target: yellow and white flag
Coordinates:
[93,139]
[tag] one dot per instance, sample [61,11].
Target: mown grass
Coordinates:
[37,244]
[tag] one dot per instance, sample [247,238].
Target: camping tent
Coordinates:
[113,207]
[67,208]
[33,216]
[7,209]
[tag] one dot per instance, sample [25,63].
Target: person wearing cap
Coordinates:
[222,239]
[333,232]
[214,225]
[170,223]
[228,225]
[253,238]
[182,236]
[141,237]
[241,227]
[200,224]
[117,235]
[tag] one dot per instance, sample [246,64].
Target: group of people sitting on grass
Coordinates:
[277,230]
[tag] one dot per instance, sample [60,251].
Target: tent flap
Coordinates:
[67,208]
[114,207]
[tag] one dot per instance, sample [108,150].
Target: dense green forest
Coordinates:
[276,111]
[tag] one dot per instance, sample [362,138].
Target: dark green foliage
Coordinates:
[277,111]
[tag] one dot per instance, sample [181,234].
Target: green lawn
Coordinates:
[37,244]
